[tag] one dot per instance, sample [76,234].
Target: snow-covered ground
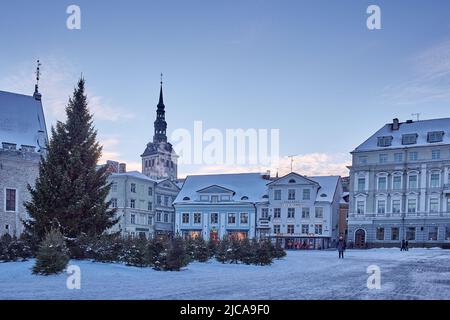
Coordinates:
[416,274]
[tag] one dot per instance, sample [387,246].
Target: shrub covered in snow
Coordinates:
[53,254]
[135,252]
[106,248]
[14,249]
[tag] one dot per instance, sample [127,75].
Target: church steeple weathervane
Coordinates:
[36,94]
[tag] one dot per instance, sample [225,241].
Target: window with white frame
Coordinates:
[225,198]
[185,218]
[132,203]
[197,217]
[383,158]
[318,229]
[361,184]
[149,206]
[10,203]
[276,228]
[133,187]
[204,197]
[434,180]
[412,181]
[150,220]
[435,154]
[434,205]
[362,160]
[291,194]
[412,205]
[432,233]
[232,218]
[291,213]
[413,156]
[380,233]
[305,228]
[277,195]
[132,219]
[114,187]
[166,217]
[150,191]
[113,202]
[398,157]
[319,212]
[277,213]
[382,183]
[306,194]
[395,233]
[381,206]
[360,206]
[214,218]
[290,229]
[214,198]
[396,182]
[264,213]
[411,233]
[396,205]
[305,213]
[244,217]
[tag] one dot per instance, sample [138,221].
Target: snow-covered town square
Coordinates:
[415,274]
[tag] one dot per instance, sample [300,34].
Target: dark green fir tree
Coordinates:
[52,256]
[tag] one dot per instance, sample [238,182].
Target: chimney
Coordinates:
[266,176]
[122,167]
[395,124]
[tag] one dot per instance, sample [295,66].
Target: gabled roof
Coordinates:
[421,128]
[328,187]
[172,183]
[250,185]
[133,174]
[215,189]
[292,174]
[22,121]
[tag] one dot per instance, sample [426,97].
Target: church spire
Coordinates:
[160,123]
[36,93]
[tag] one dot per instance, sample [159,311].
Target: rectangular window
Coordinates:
[244,218]
[265,213]
[383,158]
[412,182]
[276,229]
[432,233]
[360,207]
[290,229]
[158,199]
[362,160]
[149,206]
[197,218]
[396,182]
[166,217]
[204,198]
[185,218]
[306,194]
[150,220]
[447,233]
[435,154]
[291,194]
[113,203]
[10,200]
[381,206]
[133,188]
[398,157]
[318,229]
[158,216]
[305,213]
[384,141]
[380,233]
[114,187]
[319,212]
[166,201]
[150,191]
[435,136]
[214,218]
[225,198]
[411,233]
[277,195]
[232,218]
[382,185]
[133,219]
[396,206]
[412,205]
[291,213]
[434,180]
[413,156]
[305,228]
[277,213]
[409,138]
[361,184]
[132,203]
[214,198]
[434,205]
[395,233]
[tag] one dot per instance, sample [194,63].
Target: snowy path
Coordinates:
[417,274]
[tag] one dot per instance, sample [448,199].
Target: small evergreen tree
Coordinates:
[190,248]
[212,247]
[53,255]
[135,252]
[263,253]
[235,252]
[222,253]
[176,255]
[277,251]
[5,240]
[246,252]
[156,247]
[202,251]
[106,248]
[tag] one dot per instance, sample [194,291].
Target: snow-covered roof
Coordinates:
[22,121]
[328,187]
[250,185]
[421,128]
[134,174]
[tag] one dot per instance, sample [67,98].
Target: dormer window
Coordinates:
[292,181]
[435,136]
[244,198]
[385,141]
[8,146]
[204,198]
[410,138]
[214,198]
[225,198]
[186,199]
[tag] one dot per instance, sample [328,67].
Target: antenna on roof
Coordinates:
[292,161]
[36,94]
[417,115]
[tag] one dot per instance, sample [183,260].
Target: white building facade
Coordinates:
[400,186]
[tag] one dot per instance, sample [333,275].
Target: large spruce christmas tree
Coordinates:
[70,192]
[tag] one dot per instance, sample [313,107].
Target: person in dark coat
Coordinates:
[403,245]
[406,245]
[341,245]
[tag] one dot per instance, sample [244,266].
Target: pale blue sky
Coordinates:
[310,68]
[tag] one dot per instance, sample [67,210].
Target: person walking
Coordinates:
[341,247]
[403,245]
[406,245]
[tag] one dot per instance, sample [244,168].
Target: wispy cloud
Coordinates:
[311,164]
[429,80]
[57,82]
